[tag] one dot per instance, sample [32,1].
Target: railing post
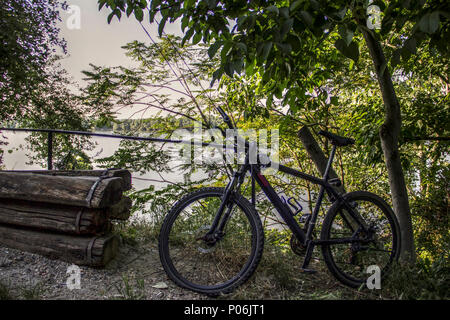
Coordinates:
[50,150]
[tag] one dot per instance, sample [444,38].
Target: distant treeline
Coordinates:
[146,125]
[128,125]
[10,124]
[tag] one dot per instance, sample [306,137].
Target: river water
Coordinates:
[17,160]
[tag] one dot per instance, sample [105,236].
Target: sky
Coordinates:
[98,42]
[95,42]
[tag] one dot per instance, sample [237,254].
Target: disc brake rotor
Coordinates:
[204,247]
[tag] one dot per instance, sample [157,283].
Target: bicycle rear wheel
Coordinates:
[205,267]
[349,262]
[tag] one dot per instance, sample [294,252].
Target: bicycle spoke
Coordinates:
[209,263]
[373,245]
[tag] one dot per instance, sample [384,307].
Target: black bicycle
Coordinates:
[212,240]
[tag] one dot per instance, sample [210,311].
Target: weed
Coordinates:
[128,291]
[5,292]
[34,292]
[420,281]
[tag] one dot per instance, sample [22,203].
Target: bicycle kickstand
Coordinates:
[308,255]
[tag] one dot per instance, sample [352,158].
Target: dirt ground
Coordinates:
[136,273]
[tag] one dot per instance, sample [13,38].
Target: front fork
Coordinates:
[217,227]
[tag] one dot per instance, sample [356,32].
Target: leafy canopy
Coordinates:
[279,39]
[29,38]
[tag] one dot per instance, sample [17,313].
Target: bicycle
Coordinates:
[219,235]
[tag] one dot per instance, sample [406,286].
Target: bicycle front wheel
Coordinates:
[349,262]
[205,267]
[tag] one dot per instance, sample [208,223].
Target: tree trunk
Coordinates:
[90,251]
[320,160]
[317,155]
[389,135]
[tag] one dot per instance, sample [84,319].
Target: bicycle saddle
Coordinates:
[337,140]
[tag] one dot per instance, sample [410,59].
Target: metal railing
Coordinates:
[52,132]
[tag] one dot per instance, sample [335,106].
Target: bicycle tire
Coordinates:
[167,243]
[388,253]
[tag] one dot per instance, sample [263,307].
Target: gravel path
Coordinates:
[136,273]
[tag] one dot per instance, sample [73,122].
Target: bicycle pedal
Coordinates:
[310,271]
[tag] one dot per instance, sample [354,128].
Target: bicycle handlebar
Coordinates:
[229,123]
[225,117]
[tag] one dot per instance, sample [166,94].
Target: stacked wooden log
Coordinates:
[64,215]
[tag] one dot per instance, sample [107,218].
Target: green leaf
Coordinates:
[216,76]
[351,51]
[341,13]
[346,34]
[143,4]
[395,60]
[212,50]
[429,23]
[266,50]
[184,22]
[228,68]
[284,12]
[101,3]
[294,41]
[307,18]
[287,25]
[241,46]
[187,36]
[212,4]
[249,69]
[314,4]
[225,49]
[406,54]
[129,10]
[351,65]
[286,48]
[139,14]
[237,65]
[110,17]
[273,9]
[189,4]
[295,5]
[112,4]
[411,44]
[240,21]
[118,13]
[161,25]
[269,101]
[197,38]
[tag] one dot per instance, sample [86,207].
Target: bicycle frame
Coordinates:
[218,225]
[305,239]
